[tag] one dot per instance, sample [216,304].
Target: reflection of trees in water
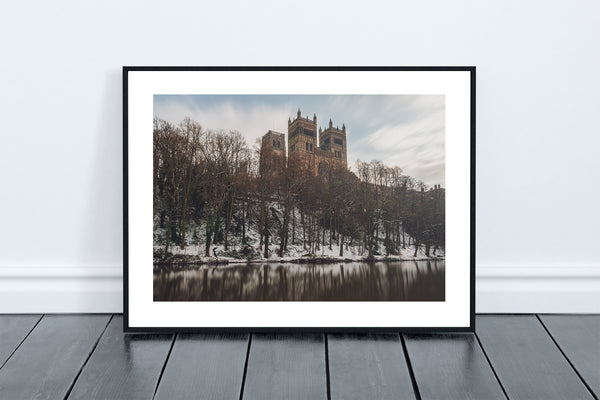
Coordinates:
[399,281]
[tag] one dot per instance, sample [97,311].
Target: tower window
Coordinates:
[311,147]
[274,144]
[306,146]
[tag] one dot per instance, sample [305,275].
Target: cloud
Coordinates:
[407,131]
[417,145]
[252,121]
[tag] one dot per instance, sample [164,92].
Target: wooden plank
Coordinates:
[368,366]
[205,367]
[13,329]
[123,366]
[526,360]
[451,366]
[46,364]
[579,338]
[286,366]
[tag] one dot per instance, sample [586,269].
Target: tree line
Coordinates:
[213,180]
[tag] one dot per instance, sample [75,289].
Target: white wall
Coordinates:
[538,127]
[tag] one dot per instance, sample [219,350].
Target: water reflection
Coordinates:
[395,281]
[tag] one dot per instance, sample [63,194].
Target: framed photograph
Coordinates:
[299,198]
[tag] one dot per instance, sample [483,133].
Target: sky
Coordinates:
[407,131]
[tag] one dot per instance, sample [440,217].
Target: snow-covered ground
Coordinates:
[194,250]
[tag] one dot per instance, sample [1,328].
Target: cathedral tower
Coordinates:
[302,139]
[303,149]
[333,139]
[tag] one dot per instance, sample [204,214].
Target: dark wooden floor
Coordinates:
[510,356]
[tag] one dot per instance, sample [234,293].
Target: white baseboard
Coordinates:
[51,289]
[48,289]
[563,289]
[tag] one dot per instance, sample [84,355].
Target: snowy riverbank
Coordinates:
[193,253]
[190,256]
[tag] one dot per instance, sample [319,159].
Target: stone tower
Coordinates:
[273,148]
[316,157]
[302,139]
[333,139]
[275,140]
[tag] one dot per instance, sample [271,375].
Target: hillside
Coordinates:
[250,251]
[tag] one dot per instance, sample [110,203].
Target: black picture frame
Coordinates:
[361,329]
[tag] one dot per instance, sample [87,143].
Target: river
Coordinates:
[356,281]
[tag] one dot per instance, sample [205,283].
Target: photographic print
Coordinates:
[270,191]
[254,200]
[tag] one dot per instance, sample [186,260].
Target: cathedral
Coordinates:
[302,144]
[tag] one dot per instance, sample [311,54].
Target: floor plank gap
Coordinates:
[410,368]
[162,371]
[246,366]
[491,366]
[526,360]
[566,358]
[21,342]
[87,359]
[327,375]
